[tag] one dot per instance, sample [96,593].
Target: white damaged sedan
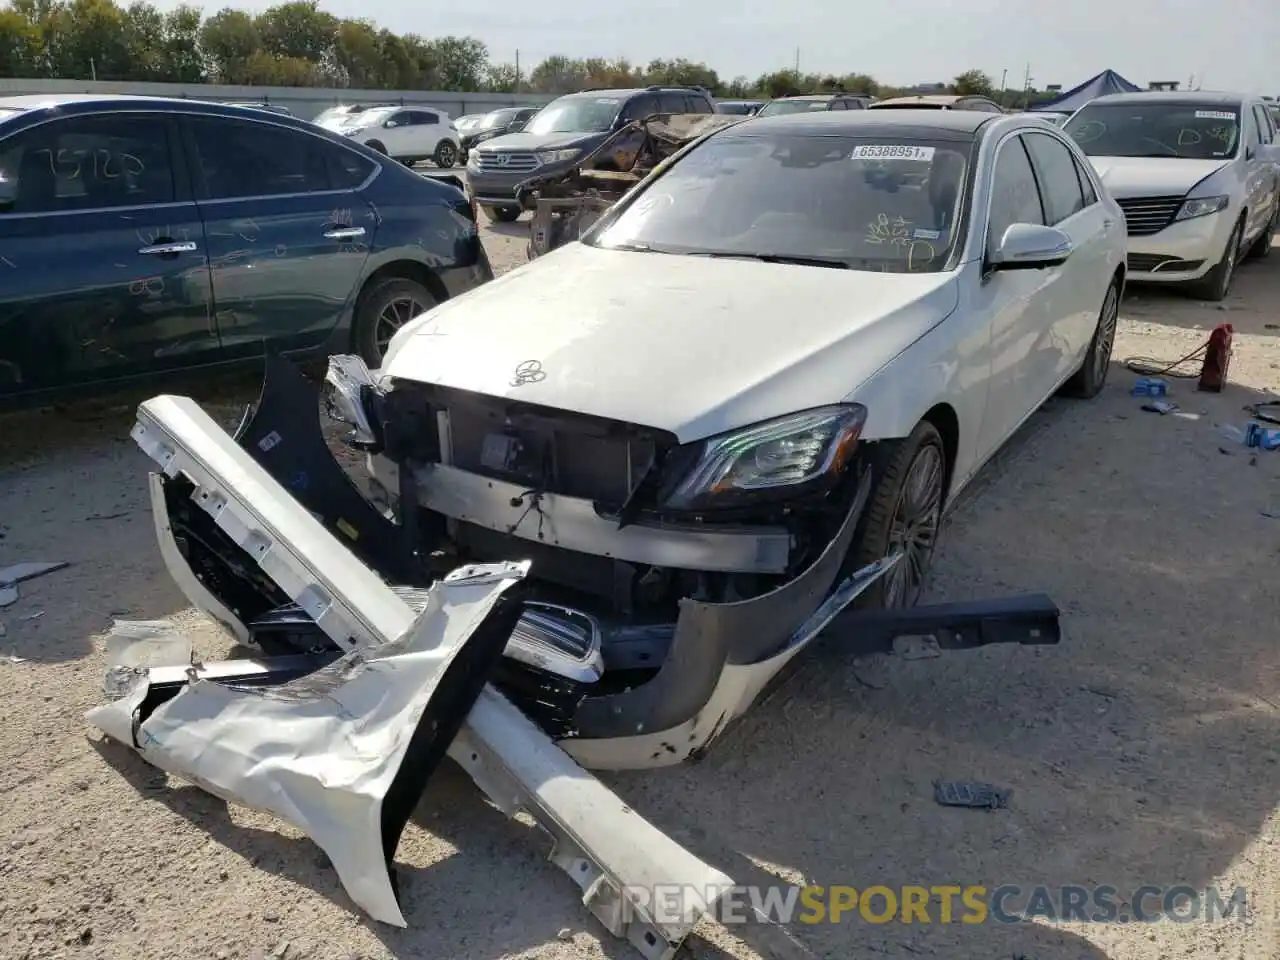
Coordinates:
[617,491]
[674,418]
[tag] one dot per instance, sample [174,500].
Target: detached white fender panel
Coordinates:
[324,751]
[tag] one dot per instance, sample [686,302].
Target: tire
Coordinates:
[502,214]
[1216,284]
[1261,248]
[383,309]
[377,145]
[897,464]
[446,154]
[1087,382]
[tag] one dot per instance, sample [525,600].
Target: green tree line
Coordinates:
[297,44]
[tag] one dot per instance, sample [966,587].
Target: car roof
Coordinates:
[943,124]
[1199,98]
[624,92]
[84,105]
[941,99]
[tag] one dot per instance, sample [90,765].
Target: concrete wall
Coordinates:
[305,102]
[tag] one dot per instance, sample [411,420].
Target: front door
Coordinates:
[288,234]
[103,274]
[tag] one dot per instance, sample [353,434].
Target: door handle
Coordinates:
[344,233]
[163,249]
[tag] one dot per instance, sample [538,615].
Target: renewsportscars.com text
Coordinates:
[947,904]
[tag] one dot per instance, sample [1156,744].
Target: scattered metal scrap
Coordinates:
[981,796]
[13,575]
[566,204]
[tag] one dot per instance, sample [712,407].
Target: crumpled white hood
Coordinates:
[687,344]
[1132,177]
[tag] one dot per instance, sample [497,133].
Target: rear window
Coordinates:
[882,205]
[776,108]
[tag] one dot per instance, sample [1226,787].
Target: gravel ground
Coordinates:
[1142,750]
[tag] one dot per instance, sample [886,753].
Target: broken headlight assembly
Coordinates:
[349,390]
[783,459]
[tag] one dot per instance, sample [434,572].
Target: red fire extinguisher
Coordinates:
[1217,358]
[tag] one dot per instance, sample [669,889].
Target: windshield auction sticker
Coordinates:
[1215,115]
[891,152]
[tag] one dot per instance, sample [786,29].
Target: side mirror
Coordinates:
[1269,153]
[515,126]
[388,124]
[1030,246]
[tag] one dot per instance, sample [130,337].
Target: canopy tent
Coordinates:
[1108,81]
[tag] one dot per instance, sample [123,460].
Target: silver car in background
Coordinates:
[1197,175]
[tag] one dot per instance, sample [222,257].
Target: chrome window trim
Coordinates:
[1071,154]
[265,120]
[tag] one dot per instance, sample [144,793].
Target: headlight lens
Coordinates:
[1201,207]
[557,156]
[772,460]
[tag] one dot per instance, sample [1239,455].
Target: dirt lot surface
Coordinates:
[1142,750]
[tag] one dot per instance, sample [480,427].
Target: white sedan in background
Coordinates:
[1196,176]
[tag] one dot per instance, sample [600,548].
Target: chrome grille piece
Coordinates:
[553,638]
[506,161]
[1147,215]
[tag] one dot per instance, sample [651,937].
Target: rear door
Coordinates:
[1074,297]
[424,132]
[1257,174]
[288,233]
[103,273]
[1015,300]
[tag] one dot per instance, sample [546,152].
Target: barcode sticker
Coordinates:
[1215,115]
[900,151]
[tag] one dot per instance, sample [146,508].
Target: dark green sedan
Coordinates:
[141,236]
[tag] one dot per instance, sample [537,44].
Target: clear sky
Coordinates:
[1229,44]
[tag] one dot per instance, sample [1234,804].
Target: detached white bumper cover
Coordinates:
[328,752]
[605,846]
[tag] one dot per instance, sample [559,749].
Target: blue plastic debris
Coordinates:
[1150,387]
[1265,438]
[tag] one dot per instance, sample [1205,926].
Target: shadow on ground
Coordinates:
[73,487]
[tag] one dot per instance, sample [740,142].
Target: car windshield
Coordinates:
[1186,130]
[776,108]
[495,119]
[886,204]
[577,114]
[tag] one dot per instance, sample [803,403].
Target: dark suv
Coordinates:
[564,130]
[143,236]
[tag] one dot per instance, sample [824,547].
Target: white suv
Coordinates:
[408,134]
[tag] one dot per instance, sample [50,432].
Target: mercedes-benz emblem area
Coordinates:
[530,371]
